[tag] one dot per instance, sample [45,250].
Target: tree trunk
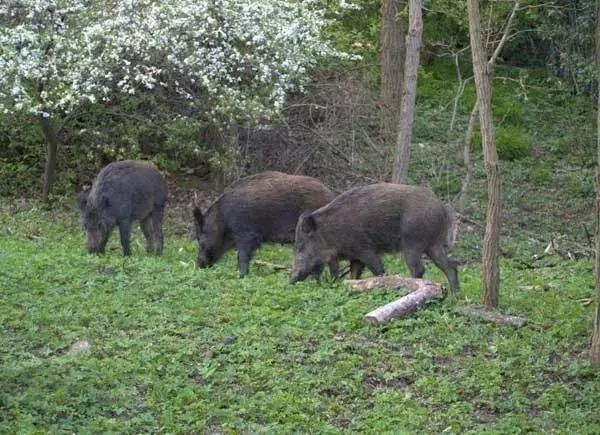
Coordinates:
[409,92]
[491,241]
[466,184]
[393,51]
[51,135]
[595,346]
[471,127]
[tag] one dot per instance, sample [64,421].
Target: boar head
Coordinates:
[210,236]
[97,221]
[310,249]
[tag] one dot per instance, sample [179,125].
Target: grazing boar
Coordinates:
[124,192]
[261,208]
[365,222]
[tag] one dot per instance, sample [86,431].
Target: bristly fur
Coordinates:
[260,208]
[365,222]
[124,192]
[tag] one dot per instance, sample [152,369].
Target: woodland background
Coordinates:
[178,350]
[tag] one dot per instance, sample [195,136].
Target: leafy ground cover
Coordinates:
[175,349]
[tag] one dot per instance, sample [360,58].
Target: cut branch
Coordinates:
[492,316]
[406,305]
[273,266]
[388,282]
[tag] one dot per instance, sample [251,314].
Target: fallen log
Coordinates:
[273,266]
[389,282]
[419,293]
[492,316]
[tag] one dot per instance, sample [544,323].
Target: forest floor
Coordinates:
[171,348]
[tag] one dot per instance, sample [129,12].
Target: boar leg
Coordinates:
[246,246]
[125,231]
[414,263]
[157,227]
[373,262]
[439,255]
[317,271]
[334,268]
[356,269]
[146,227]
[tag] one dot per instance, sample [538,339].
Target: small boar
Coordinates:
[124,192]
[364,222]
[261,208]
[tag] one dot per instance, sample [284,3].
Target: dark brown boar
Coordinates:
[124,192]
[261,208]
[364,222]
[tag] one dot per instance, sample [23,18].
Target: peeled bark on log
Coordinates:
[426,291]
[493,316]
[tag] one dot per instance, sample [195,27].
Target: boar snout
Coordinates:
[302,274]
[203,263]
[298,276]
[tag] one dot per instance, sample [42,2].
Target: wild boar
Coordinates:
[261,208]
[124,192]
[365,222]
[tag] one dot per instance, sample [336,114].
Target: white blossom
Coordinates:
[231,58]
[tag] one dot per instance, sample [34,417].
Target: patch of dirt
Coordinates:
[486,413]
[401,383]
[468,350]
[341,422]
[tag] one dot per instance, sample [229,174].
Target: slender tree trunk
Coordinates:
[491,241]
[409,91]
[467,143]
[393,51]
[595,347]
[466,184]
[51,135]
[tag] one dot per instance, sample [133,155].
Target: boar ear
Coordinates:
[198,217]
[308,223]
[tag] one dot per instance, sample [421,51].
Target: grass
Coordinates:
[175,349]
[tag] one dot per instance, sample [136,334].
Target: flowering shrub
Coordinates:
[227,59]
